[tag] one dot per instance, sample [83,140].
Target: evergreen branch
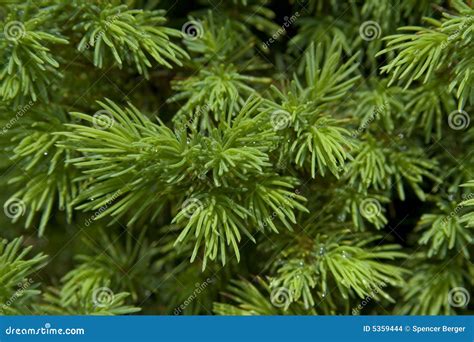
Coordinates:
[327,78]
[29,66]
[378,103]
[428,104]
[420,54]
[133,36]
[249,300]
[468,217]
[17,289]
[444,233]
[383,168]
[355,270]
[214,92]
[126,265]
[428,291]
[97,301]
[369,168]
[136,154]
[318,139]
[430,50]
[49,182]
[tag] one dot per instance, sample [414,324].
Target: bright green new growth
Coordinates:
[135,155]
[239,159]
[18,289]
[133,35]
[30,65]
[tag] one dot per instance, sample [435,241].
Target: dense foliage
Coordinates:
[247,157]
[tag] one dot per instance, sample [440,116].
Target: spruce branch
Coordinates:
[428,51]
[380,168]
[247,14]
[215,91]
[17,287]
[377,103]
[354,269]
[443,233]
[278,149]
[126,265]
[44,184]
[130,36]
[428,103]
[136,154]
[28,65]
[468,217]
[302,112]
[256,299]
[430,289]
[97,301]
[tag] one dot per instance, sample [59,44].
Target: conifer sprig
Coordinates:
[245,157]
